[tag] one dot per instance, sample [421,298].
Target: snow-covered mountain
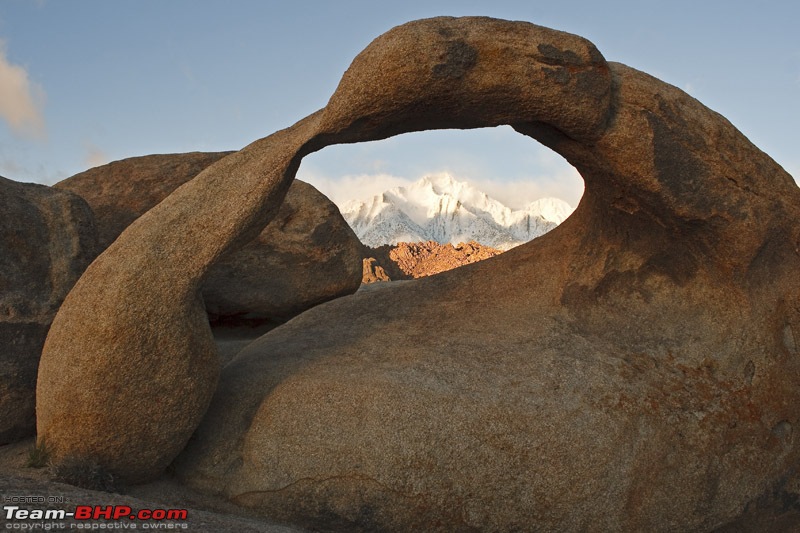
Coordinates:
[441,209]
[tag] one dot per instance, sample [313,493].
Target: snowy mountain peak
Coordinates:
[440,180]
[440,184]
[442,209]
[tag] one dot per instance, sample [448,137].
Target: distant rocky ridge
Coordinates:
[410,260]
[442,209]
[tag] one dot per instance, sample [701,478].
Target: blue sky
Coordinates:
[85,82]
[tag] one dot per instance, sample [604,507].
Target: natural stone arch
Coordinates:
[677,202]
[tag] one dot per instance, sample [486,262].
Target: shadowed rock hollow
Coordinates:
[47,238]
[634,369]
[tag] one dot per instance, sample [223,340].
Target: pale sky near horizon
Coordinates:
[86,82]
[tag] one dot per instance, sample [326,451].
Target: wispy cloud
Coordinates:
[794,170]
[796,66]
[29,173]
[94,156]
[518,194]
[21,100]
[10,169]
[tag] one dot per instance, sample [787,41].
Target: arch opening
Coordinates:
[489,185]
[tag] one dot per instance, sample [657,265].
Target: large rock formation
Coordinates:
[47,238]
[130,364]
[634,369]
[307,255]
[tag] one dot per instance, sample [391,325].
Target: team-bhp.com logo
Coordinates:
[89,517]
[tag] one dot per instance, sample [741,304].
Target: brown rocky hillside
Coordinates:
[408,260]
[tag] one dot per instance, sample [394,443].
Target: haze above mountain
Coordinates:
[442,209]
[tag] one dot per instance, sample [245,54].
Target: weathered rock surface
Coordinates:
[47,238]
[122,191]
[306,255]
[411,260]
[130,363]
[634,369]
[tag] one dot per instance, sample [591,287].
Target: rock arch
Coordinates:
[668,300]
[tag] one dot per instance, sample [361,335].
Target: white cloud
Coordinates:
[352,187]
[554,178]
[517,194]
[21,101]
[566,185]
